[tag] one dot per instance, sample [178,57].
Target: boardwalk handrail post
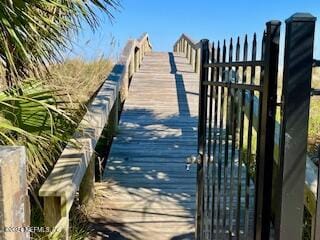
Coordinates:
[266,129]
[14,199]
[201,134]
[190,50]
[197,61]
[193,60]
[298,59]
[185,48]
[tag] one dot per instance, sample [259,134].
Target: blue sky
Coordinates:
[165,20]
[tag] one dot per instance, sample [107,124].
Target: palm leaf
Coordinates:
[34,33]
[32,117]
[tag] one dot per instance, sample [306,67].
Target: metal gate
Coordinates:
[241,193]
[229,178]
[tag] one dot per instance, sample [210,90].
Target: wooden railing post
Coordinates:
[86,190]
[185,47]
[187,51]
[140,57]
[113,119]
[193,60]
[131,66]
[136,60]
[14,201]
[182,45]
[143,51]
[198,60]
[298,58]
[52,214]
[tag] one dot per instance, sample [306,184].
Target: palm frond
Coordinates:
[32,117]
[33,33]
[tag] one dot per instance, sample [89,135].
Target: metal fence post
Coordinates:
[201,134]
[298,59]
[266,130]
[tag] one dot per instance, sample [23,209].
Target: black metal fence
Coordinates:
[249,185]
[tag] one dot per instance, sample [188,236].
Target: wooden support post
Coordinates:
[53,216]
[114,118]
[126,79]
[119,107]
[187,51]
[136,61]
[193,60]
[52,211]
[14,201]
[131,67]
[86,190]
[140,57]
[197,60]
[185,47]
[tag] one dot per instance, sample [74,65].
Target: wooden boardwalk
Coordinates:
[150,194]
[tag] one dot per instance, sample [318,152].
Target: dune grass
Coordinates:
[314,121]
[79,78]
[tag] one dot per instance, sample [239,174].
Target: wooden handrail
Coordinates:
[194,45]
[131,58]
[186,46]
[190,49]
[75,169]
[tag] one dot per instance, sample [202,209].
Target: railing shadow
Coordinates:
[184,236]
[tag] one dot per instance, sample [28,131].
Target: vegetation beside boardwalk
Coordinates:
[314,124]
[43,95]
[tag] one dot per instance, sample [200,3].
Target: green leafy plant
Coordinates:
[34,33]
[32,116]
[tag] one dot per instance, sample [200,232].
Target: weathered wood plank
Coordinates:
[145,174]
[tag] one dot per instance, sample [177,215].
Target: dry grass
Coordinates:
[314,124]
[79,78]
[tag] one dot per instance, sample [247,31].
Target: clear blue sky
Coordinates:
[165,20]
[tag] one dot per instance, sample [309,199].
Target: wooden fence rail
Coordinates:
[191,50]
[74,170]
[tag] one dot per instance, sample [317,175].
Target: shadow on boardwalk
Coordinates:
[146,184]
